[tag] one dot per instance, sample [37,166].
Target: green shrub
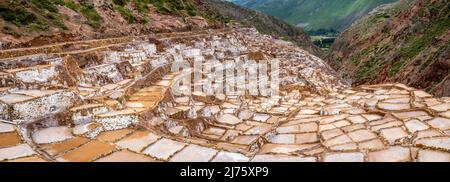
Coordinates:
[367,69]
[142,5]
[72,5]
[88,11]
[49,5]
[39,26]
[126,13]
[145,21]
[120,2]
[94,19]
[17,15]
[435,30]
[396,68]
[56,19]
[435,56]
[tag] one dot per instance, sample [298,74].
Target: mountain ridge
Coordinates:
[265,24]
[314,14]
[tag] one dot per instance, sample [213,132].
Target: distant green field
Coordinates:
[323,42]
[315,14]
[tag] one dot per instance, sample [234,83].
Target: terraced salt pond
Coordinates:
[117,104]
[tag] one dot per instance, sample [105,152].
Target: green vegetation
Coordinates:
[94,19]
[324,32]
[142,5]
[431,32]
[396,68]
[40,15]
[356,59]
[21,17]
[72,5]
[145,21]
[17,15]
[88,11]
[376,49]
[49,5]
[323,38]
[367,69]
[323,42]
[39,26]
[56,18]
[176,7]
[435,55]
[49,9]
[316,14]
[172,7]
[126,13]
[9,30]
[227,12]
[120,2]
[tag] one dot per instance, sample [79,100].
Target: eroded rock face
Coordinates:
[120,106]
[360,53]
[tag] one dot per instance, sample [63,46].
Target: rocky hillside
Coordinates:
[226,11]
[39,22]
[315,14]
[406,42]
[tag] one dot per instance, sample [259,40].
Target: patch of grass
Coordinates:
[88,11]
[17,15]
[142,5]
[72,5]
[56,18]
[192,12]
[94,19]
[356,59]
[9,30]
[367,69]
[316,14]
[49,5]
[324,32]
[365,53]
[419,44]
[323,42]
[21,17]
[442,50]
[161,7]
[381,17]
[396,68]
[126,13]
[120,2]
[145,21]
[39,26]
[173,7]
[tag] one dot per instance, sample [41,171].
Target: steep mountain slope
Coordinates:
[406,42]
[37,22]
[315,14]
[225,11]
